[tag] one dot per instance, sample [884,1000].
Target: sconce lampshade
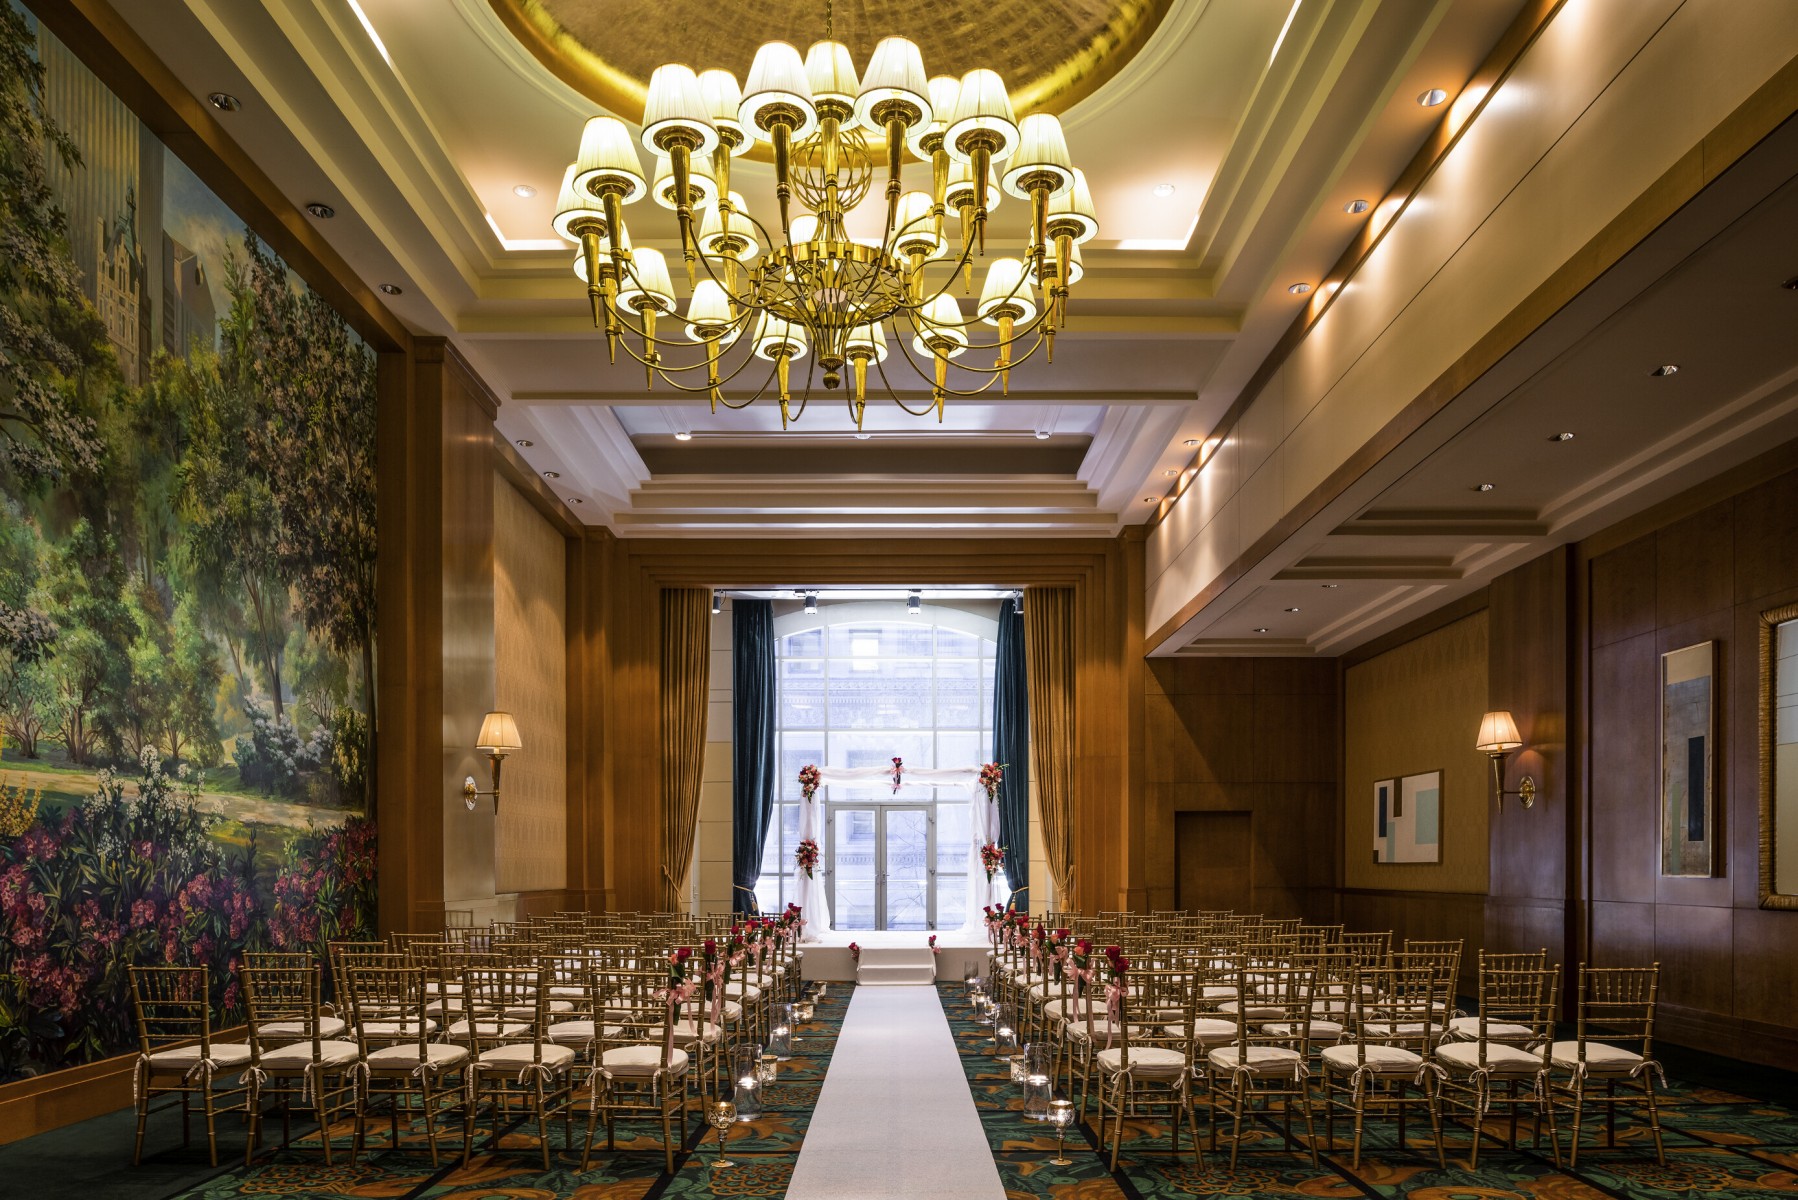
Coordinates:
[1498,734]
[499,732]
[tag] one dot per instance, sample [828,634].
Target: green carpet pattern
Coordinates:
[1720,1146]
[764,1151]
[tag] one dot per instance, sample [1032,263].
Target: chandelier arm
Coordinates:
[992,375]
[665,372]
[893,394]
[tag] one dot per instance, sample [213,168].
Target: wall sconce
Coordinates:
[499,737]
[1498,737]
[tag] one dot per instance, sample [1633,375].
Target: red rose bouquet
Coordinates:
[992,857]
[805,855]
[808,781]
[855,952]
[898,773]
[990,777]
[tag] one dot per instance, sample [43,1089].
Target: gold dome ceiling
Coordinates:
[1050,52]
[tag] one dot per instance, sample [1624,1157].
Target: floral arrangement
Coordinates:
[792,921]
[1120,966]
[808,781]
[991,775]
[1056,947]
[855,952]
[933,947]
[679,988]
[898,773]
[806,856]
[992,857]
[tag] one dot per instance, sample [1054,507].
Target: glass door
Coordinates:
[882,863]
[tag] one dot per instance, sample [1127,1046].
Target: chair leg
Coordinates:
[212,1138]
[668,1132]
[1238,1097]
[1579,1120]
[1121,1096]
[1310,1124]
[143,1116]
[542,1124]
[1654,1119]
[1433,1096]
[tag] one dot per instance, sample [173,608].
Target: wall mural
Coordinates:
[187,549]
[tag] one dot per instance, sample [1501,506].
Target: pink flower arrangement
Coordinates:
[991,775]
[808,781]
[992,857]
[855,952]
[805,856]
[933,946]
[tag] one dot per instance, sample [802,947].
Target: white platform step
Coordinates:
[875,974]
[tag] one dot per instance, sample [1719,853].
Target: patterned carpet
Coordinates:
[1719,1146]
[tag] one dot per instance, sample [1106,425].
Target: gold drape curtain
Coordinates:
[686,671]
[1049,667]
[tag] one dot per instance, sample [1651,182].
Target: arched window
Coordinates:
[859,683]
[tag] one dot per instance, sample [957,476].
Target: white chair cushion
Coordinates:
[1386,1029]
[391,1029]
[1101,1030]
[491,1029]
[224,1054]
[1260,1060]
[686,1033]
[578,1032]
[641,1061]
[1218,991]
[516,1056]
[1384,1060]
[528,1012]
[1321,1030]
[1468,1028]
[1600,1058]
[403,1060]
[737,987]
[1501,1059]
[1157,1061]
[328,1027]
[1206,1031]
[295,1058]
[1256,1012]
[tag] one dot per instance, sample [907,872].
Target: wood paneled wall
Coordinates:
[1246,735]
[613,804]
[1729,968]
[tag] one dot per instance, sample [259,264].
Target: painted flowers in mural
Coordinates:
[187,545]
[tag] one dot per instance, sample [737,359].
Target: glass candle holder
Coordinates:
[1016,1063]
[1061,1115]
[767,1067]
[780,1037]
[1039,1081]
[1005,1031]
[721,1117]
[746,1080]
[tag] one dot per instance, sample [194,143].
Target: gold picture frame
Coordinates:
[1770,622]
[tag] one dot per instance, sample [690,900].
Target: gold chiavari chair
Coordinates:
[172,1008]
[506,1014]
[1468,1028]
[1384,1064]
[1512,1041]
[386,1000]
[1151,1065]
[1617,1004]
[634,1074]
[291,1055]
[1259,1065]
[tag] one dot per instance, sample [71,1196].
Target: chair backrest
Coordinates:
[340,955]
[497,1000]
[287,994]
[1370,951]
[1616,1004]
[1517,1008]
[1274,994]
[1159,1002]
[385,990]
[637,1004]
[172,1006]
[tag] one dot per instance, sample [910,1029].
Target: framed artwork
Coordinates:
[1688,761]
[1408,819]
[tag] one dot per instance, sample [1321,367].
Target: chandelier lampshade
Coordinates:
[793,288]
[778,92]
[608,158]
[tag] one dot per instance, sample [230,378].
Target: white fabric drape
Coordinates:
[984,828]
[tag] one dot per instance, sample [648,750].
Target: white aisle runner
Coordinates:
[895,1118]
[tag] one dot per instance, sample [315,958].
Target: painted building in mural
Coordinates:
[186,620]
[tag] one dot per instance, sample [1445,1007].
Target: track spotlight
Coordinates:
[914,603]
[1017,603]
[717,602]
[811,604]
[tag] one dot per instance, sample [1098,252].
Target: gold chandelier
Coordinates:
[807,287]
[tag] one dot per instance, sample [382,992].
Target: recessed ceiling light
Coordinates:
[1483,487]
[1260,629]
[552,474]
[1332,585]
[322,211]
[863,436]
[527,443]
[392,289]
[1664,370]
[1148,499]
[575,500]
[1171,471]
[1561,437]
[1164,190]
[224,101]
[1432,98]
[523,191]
[1042,435]
[683,436]
[1299,289]
[1791,285]
[1292,610]
[1190,442]
[1356,207]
